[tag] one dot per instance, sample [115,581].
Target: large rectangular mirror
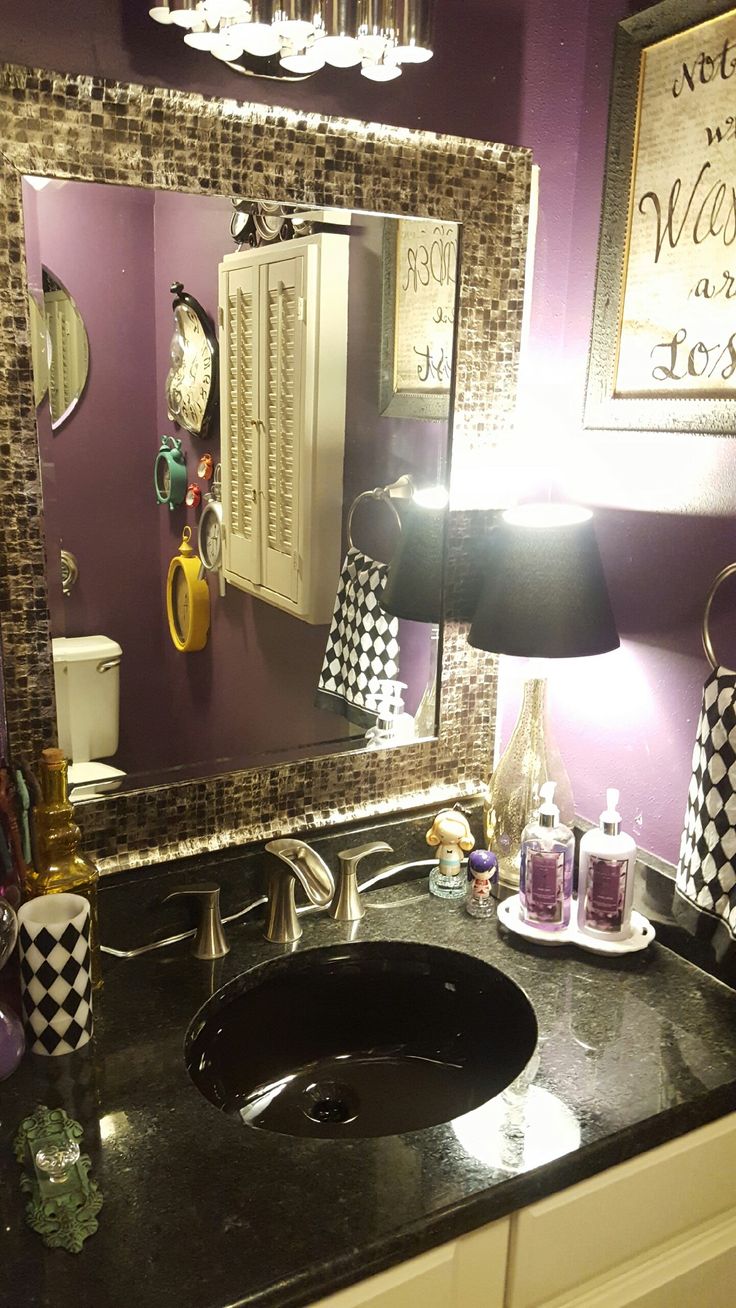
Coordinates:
[245,410]
[168,153]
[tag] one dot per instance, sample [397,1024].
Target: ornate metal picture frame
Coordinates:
[87,129]
[662,353]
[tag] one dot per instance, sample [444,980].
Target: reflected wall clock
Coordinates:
[170,473]
[187,599]
[191,384]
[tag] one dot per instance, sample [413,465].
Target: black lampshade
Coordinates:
[545,592]
[414,585]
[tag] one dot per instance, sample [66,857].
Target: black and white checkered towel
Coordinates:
[363,644]
[706,874]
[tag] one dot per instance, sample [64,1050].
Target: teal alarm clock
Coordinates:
[170,473]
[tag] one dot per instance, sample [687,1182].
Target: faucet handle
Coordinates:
[347,905]
[209,941]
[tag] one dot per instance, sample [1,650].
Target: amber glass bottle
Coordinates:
[59,862]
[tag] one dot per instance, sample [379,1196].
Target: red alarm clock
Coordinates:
[193,496]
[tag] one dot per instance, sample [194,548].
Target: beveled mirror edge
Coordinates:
[137,135]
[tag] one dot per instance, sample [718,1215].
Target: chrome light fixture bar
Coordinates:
[292,39]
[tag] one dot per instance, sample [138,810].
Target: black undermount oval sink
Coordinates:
[363,1039]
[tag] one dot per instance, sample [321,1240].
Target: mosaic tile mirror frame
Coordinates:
[87,129]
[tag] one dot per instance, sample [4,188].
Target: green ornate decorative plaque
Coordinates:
[63,1203]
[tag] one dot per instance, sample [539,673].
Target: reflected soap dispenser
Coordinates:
[547,851]
[606,877]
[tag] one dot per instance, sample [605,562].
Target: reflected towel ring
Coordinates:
[728,571]
[379,493]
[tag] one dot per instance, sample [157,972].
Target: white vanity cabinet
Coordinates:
[658,1231]
[466,1273]
[283,353]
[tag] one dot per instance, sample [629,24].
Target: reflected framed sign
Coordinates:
[419,293]
[663,345]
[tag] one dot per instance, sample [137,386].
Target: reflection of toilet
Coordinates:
[87,682]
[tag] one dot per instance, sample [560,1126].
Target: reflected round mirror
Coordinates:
[60,349]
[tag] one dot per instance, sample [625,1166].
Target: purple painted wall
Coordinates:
[665,503]
[534,74]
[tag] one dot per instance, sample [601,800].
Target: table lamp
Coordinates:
[544,596]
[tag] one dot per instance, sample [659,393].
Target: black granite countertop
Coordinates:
[205,1212]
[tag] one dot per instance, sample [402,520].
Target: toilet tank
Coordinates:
[87,682]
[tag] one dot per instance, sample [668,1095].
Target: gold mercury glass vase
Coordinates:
[513,793]
[61,865]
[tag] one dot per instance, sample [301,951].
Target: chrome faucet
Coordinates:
[347,905]
[299,862]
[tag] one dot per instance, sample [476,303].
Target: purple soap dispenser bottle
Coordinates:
[547,849]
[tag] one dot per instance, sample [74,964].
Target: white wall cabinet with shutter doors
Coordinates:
[283,363]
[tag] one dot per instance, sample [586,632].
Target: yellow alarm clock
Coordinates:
[187,599]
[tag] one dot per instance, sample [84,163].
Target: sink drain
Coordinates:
[330,1101]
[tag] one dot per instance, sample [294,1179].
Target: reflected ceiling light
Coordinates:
[295,38]
[293,21]
[305,61]
[227,46]
[202,37]
[338,42]
[232,9]
[380,72]
[414,22]
[258,34]
[184,13]
[160,14]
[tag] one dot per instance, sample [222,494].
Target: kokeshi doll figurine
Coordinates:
[450,833]
[482,873]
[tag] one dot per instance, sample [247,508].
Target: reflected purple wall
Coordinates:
[248,695]
[97,465]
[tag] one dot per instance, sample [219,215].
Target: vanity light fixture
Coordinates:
[544,596]
[290,39]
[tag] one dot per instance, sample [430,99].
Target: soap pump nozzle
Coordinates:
[610,818]
[549,814]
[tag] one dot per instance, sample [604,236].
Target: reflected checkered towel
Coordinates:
[363,644]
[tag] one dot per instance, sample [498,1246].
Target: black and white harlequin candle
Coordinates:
[55,974]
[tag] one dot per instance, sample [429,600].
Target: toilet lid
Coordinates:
[101,776]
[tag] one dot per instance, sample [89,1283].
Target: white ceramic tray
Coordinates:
[642,931]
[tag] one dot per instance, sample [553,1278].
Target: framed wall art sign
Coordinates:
[663,343]
[418,319]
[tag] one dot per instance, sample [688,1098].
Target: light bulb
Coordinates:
[257,38]
[432,497]
[380,72]
[340,51]
[306,62]
[218,9]
[411,54]
[548,514]
[185,14]
[204,39]
[295,30]
[160,14]
[227,47]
